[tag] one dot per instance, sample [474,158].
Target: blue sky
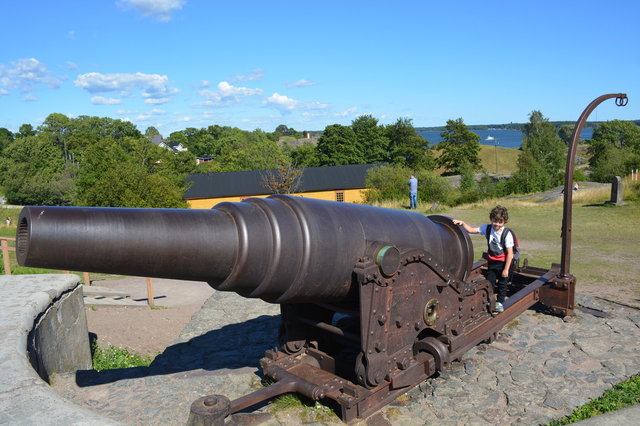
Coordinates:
[175,64]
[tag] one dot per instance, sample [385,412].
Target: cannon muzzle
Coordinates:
[282,249]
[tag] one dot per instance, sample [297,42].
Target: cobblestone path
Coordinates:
[540,368]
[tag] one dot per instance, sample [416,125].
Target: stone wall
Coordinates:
[43,330]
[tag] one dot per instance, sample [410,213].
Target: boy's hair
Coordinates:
[499,212]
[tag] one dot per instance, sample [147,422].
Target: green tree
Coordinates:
[129,185]
[261,154]
[459,148]
[338,145]
[26,130]
[85,131]
[57,125]
[6,137]
[467,177]
[305,155]
[33,171]
[407,147]
[212,140]
[151,132]
[531,175]
[371,139]
[178,137]
[144,152]
[565,132]
[540,139]
[283,130]
[176,166]
[96,160]
[614,149]
[133,173]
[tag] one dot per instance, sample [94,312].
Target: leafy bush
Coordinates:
[390,183]
[614,150]
[387,183]
[632,191]
[580,176]
[433,188]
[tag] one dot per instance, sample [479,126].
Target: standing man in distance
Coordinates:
[413,192]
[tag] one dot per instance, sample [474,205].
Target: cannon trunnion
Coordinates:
[373,301]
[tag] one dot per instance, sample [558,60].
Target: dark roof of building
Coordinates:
[157,139]
[230,184]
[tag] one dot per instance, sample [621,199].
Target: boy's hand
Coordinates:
[505,273]
[467,227]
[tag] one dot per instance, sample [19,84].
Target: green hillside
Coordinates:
[506,159]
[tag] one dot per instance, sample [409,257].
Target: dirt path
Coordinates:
[142,329]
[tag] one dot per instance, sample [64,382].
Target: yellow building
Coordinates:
[336,183]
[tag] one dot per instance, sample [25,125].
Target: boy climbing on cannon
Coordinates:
[500,253]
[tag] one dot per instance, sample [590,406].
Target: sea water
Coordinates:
[498,137]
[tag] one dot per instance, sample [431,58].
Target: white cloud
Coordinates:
[150,114]
[100,100]
[26,74]
[122,112]
[71,66]
[301,83]
[253,75]
[281,102]
[348,112]
[158,9]
[285,104]
[184,119]
[3,92]
[226,94]
[30,98]
[152,86]
[205,83]
[156,101]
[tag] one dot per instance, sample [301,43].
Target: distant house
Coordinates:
[203,159]
[337,183]
[175,146]
[163,143]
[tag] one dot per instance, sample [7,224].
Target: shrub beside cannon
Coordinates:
[373,300]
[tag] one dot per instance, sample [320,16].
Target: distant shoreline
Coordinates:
[515,126]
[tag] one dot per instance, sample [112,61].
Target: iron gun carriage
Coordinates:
[373,300]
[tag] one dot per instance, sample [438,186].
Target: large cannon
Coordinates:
[373,300]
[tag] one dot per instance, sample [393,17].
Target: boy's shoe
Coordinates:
[499,308]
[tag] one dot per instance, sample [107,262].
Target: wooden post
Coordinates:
[150,300]
[5,257]
[87,281]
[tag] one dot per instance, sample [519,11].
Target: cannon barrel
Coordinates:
[282,249]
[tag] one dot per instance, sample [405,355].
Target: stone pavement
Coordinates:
[540,368]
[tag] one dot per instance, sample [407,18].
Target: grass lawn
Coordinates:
[507,159]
